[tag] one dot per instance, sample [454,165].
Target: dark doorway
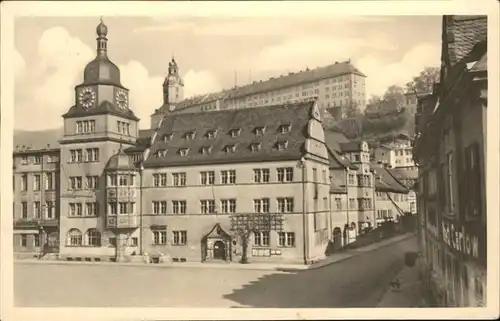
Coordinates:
[219,250]
[337,239]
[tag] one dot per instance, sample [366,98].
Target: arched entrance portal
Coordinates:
[219,250]
[216,245]
[337,239]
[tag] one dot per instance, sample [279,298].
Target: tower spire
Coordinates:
[102,41]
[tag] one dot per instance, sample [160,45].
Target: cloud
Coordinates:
[200,82]
[381,75]
[298,52]
[57,67]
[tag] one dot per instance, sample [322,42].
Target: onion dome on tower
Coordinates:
[101,70]
[120,162]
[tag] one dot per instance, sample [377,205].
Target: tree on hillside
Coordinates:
[424,82]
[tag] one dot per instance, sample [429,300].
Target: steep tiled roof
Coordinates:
[335,188]
[350,147]
[37,139]
[386,182]
[463,33]
[142,142]
[174,136]
[202,99]
[104,108]
[337,160]
[334,139]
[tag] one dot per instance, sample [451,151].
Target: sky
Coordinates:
[213,54]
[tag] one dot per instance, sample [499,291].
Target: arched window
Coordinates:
[74,237]
[92,237]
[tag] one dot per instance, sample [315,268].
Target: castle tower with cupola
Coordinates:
[173,86]
[95,128]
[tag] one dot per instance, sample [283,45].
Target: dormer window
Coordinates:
[230,148]
[285,128]
[161,153]
[183,151]
[189,135]
[168,137]
[282,145]
[255,147]
[211,134]
[205,150]
[259,131]
[235,132]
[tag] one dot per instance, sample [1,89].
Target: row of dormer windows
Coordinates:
[228,149]
[234,132]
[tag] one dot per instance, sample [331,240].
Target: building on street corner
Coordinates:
[450,151]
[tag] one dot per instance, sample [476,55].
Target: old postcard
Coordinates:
[293,160]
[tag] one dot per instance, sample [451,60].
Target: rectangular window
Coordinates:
[36,240]
[285,204]
[36,182]
[285,174]
[228,177]
[261,175]
[113,208]
[92,155]
[207,206]
[50,210]
[159,237]
[75,183]
[352,203]
[37,210]
[92,182]
[91,209]
[228,206]
[449,181]
[24,240]
[261,238]
[159,179]
[123,207]
[134,241]
[351,179]
[338,203]
[207,178]
[160,207]
[179,237]
[75,155]
[261,205]
[24,182]
[75,209]
[179,179]
[24,210]
[286,239]
[37,160]
[48,181]
[179,207]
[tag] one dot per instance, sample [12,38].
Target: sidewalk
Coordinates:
[409,295]
[335,258]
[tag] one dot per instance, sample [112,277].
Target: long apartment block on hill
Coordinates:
[337,88]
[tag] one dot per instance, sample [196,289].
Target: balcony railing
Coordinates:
[122,221]
[36,223]
[121,192]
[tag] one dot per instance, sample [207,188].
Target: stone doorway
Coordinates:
[216,245]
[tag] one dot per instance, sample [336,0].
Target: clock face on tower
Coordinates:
[86,98]
[121,99]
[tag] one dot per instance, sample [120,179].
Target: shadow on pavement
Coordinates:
[354,283]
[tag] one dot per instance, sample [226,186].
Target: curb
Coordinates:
[234,266]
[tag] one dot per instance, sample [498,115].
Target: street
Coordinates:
[356,282]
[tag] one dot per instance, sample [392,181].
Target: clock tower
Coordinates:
[98,125]
[173,86]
